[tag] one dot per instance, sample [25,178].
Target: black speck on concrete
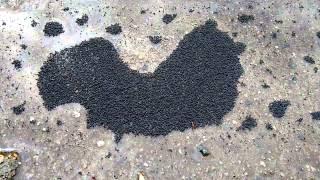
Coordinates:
[83,20]
[318,34]
[244,18]
[114,29]
[278,108]
[309,60]
[19,109]
[23,46]
[203,150]
[196,84]
[265,86]
[248,124]
[269,127]
[53,29]
[34,23]
[315,115]
[155,39]
[17,64]
[168,18]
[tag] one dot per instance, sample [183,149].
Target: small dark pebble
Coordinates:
[293,34]
[34,23]
[66,9]
[234,34]
[265,86]
[299,120]
[23,46]
[278,21]
[53,29]
[191,10]
[155,39]
[318,34]
[168,18]
[17,64]
[114,29]
[269,127]
[309,59]
[59,122]
[143,11]
[108,155]
[315,115]
[19,109]
[203,150]
[274,35]
[315,69]
[278,108]
[248,124]
[83,20]
[244,18]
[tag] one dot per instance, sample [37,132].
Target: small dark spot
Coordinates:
[278,21]
[66,9]
[17,64]
[19,109]
[155,39]
[278,108]
[168,18]
[83,20]
[315,115]
[274,35]
[261,61]
[234,34]
[309,59]
[53,29]
[59,122]
[269,127]
[265,86]
[244,18]
[203,150]
[114,29]
[248,124]
[318,34]
[293,34]
[191,10]
[315,69]
[23,46]
[80,173]
[250,7]
[108,155]
[299,120]
[4,23]
[143,11]
[34,23]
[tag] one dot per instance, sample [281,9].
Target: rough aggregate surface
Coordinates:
[57,143]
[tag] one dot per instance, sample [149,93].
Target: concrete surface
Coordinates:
[71,151]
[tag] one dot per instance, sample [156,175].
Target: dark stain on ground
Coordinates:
[155,39]
[309,60]
[168,18]
[83,20]
[315,115]
[244,18]
[114,29]
[278,108]
[19,109]
[53,29]
[17,64]
[248,124]
[318,34]
[195,86]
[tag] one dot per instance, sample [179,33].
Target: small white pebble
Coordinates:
[100,143]
[262,163]
[76,114]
